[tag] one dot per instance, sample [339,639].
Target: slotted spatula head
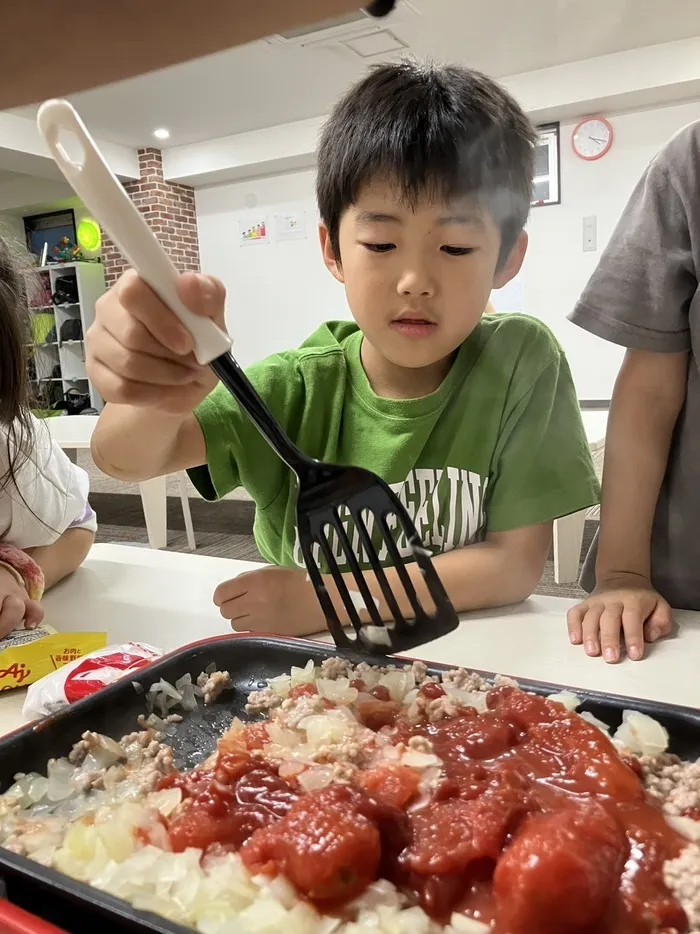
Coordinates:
[349,520]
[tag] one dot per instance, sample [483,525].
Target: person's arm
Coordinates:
[135,444]
[502,570]
[648,396]
[64,556]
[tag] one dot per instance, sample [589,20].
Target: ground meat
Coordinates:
[334,668]
[346,751]
[86,744]
[420,671]
[465,680]
[292,712]
[441,708]
[213,684]
[674,784]
[682,876]
[260,701]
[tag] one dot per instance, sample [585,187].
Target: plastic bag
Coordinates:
[26,655]
[85,676]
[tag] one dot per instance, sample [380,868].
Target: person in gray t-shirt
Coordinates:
[645,295]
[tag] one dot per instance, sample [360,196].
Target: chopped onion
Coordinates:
[37,788]
[592,719]
[291,768]
[280,736]
[685,826]
[420,760]
[376,635]
[474,699]
[641,734]
[567,699]
[396,683]
[461,924]
[314,778]
[165,801]
[305,675]
[281,685]
[338,691]
[325,728]
[60,773]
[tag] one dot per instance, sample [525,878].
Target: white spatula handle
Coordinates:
[96,186]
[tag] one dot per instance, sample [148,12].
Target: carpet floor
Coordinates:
[224,530]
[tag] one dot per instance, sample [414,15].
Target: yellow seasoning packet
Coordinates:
[26,655]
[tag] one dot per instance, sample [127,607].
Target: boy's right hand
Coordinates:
[627,606]
[139,354]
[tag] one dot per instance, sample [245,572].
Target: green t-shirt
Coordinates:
[500,445]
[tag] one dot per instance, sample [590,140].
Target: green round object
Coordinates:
[89,234]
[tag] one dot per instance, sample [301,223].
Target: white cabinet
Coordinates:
[57,331]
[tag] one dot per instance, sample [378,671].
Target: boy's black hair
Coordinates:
[439,130]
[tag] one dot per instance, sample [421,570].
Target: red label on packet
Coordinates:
[97,672]
[77,678]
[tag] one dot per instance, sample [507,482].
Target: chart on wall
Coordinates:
[252,230]
[291,226]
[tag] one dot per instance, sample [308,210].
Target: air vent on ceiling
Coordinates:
[370,44]
[340,29]
[337,22]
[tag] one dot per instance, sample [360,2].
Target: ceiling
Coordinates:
[263,84]
[6,176]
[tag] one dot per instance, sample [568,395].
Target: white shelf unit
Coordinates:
[63,361]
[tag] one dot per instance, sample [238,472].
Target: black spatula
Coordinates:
[322,488]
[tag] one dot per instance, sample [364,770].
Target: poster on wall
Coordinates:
[253,230]
[291,226]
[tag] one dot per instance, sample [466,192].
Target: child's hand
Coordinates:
[139,354]
[279,600]
[628,604]
[15,605]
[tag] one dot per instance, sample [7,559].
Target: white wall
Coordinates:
[279,292]
[556,269]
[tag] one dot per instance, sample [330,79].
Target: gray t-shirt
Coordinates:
[645,295]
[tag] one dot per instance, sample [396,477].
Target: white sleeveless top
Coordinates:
[51,494]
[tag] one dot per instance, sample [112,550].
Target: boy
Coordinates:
[644,295]
[424,186]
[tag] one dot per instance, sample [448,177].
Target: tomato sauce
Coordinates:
[536,825]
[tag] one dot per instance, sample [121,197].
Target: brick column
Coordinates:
[170,213]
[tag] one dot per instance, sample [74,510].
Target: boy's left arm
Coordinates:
[501,570]
[542,469]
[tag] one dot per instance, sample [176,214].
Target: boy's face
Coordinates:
[417,278]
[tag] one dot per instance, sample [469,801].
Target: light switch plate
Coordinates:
[590,234]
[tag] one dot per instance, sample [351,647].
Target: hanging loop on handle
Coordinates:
[93,181]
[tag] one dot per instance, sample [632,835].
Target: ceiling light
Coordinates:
[161,133]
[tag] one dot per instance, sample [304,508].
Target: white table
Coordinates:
[74,432]
[165,598]
[568,531]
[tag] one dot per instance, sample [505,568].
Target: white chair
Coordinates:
[74,432]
